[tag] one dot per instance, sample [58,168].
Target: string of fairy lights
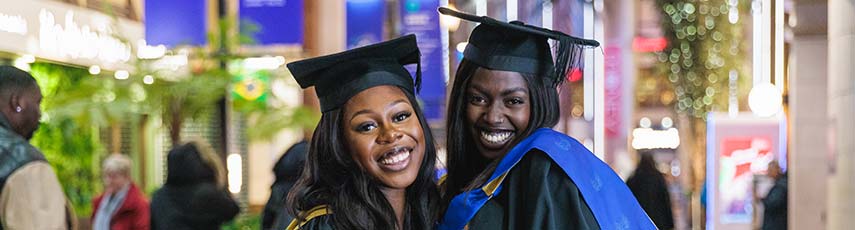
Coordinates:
[705,49]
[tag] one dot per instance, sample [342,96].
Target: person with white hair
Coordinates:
[122,206]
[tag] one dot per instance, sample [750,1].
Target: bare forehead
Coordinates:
[376,98]
[497,80]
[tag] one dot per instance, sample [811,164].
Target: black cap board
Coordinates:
[338,77]
[515,46]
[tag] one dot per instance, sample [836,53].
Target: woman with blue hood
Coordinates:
[507,169]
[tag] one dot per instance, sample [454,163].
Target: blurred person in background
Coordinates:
[30,194]
[122,206]
[649,187]
[287,171]
[775,202]
[195,194]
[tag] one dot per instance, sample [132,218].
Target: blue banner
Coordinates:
[172,23]
[420,17]
[365,22]
[279,21]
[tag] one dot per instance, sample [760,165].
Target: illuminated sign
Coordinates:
[79,41]
[647,138]
[66,33]
[13,24]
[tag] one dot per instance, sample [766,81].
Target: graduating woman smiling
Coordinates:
[371,159]
[507,169]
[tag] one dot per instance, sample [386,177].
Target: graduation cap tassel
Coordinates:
[562,60]
[568,58]
[418,85]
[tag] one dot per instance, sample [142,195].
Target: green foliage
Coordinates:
[76,104]
[244,222]
[72,93]
[70,146]
[188,96]
[267,123]
[705,48]
[73,153]
[208,82]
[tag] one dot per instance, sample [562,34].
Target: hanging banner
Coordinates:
[280,22]
[173,23]
[365,22]
[613,92]
[420,17]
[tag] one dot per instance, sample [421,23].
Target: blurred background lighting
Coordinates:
[121,75]
[95,70]
[765,100]
[267,62]
[148,80]
[449,22]
[644,122]
[144,51]
[667,122]
[647,138]
[24,62]
[461,46]
[234,167]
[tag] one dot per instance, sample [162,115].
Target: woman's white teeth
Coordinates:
[496,137]
[396,157]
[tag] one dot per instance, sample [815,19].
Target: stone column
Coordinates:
[841,102]
[808,120]
[325,34]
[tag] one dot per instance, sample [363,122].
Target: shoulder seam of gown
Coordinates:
[315,212]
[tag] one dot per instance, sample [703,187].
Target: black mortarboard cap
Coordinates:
[338,77]
[521,48]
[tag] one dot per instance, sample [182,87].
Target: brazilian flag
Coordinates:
[250,90]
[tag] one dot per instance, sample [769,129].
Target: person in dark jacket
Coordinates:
[649,187]
[31,196]
[195,195]
[775,203]
[287,171]
[122,206]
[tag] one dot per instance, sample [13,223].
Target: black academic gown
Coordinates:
[775,205]
[319,223]
[536,194]
[287,170]
[651,191]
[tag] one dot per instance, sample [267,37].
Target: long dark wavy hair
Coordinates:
[331,177]
[464,163]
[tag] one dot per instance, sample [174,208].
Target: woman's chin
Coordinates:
[401,180]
